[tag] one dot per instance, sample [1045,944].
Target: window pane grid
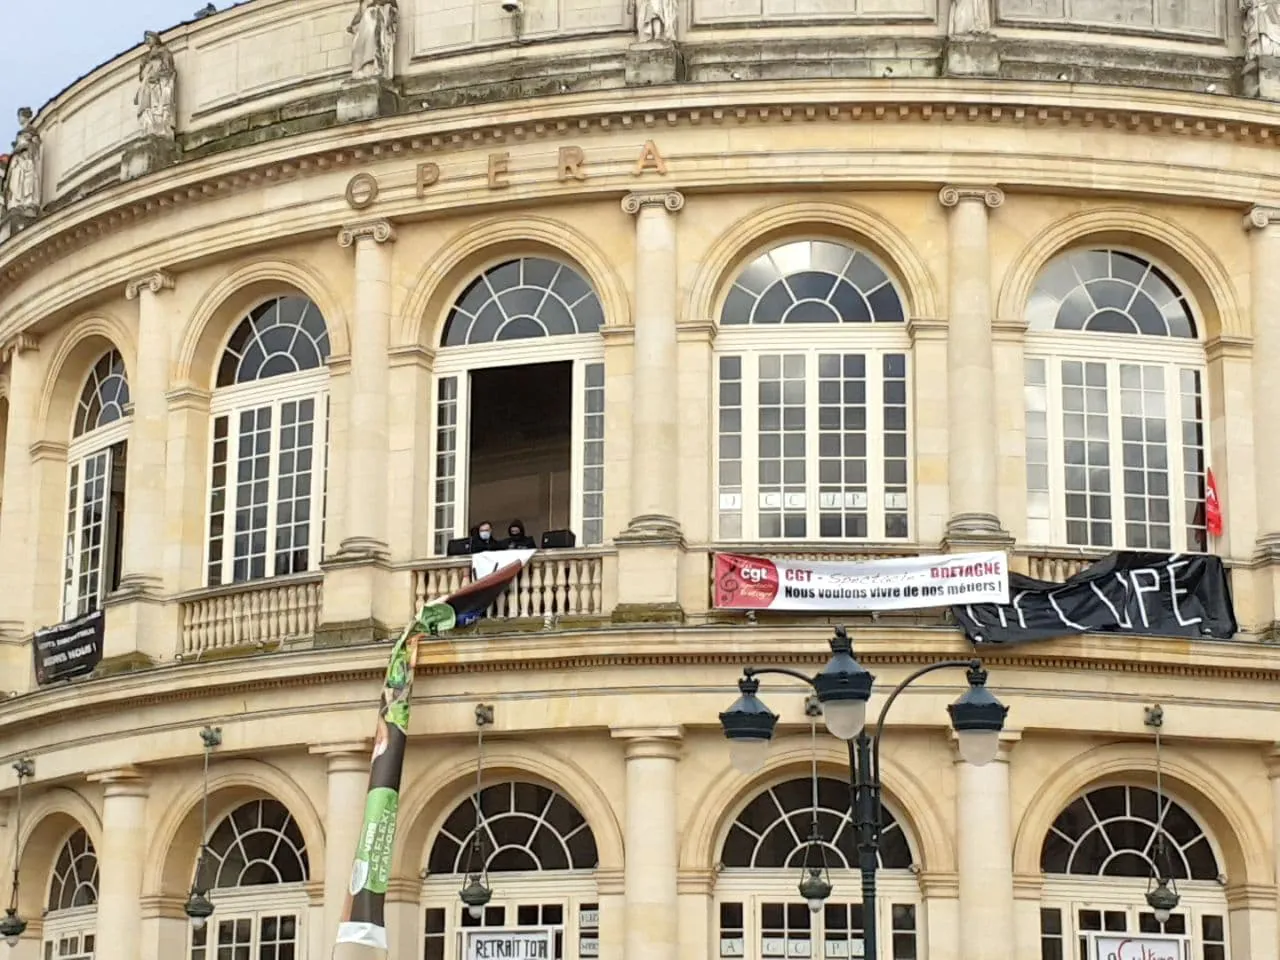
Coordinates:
[1193,458]
[446,462]
[1143,423]
[1200,930]
[69,554]
[94,503]
[786,930]
[781,487]
[729,469]
[293,486]
[593,455]
[253,495]
[1039,497]
[842,445]
[217,501]
[1213,937]
[896,469]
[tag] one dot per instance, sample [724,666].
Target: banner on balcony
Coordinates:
[70,649]
[1151,594]
[364,917]
[900,583]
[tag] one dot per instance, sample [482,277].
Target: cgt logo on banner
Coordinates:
[901,583]
[1137,948]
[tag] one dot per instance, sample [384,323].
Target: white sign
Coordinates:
[1139,948]
[901,583]
[491,561]
[519,944]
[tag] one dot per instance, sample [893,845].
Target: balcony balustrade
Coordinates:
[556,583]
[266,612]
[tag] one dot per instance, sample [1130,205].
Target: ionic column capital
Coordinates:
[19,344]
[671,200]
[155,281]
[650,743]
[1261,216]
[352,756]
[1272,757]
[951,195]
[379,231]
[122,782]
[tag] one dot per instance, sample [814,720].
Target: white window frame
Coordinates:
[231,402]
[569,888]
[1173,355]
[581,349]
[1071,894]
[61,926]
[874,340]
[254,904]
[754,887]
[82,450]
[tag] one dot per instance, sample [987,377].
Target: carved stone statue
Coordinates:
[655,20]
[970,18]
[373,43]
[22,183]
[1261,28]
[157,93]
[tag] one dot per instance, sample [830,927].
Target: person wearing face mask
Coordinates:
[482,538]
[517,539]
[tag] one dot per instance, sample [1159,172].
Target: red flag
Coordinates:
[1212,506]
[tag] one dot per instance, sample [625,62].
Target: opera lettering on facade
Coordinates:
[571,167]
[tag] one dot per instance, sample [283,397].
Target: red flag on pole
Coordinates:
[1212,506]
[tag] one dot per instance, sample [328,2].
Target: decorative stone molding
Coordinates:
[404,890]
[650,743]
[338,364]
[1027,886]
[950,196]
[122,782]
[926,328]
[162,908]
[1272,757]
[610,883]
[379,231]
[1260,217]
[155,282]
[48,450]
[189,397]
[19,344]
[1229,347]
[695,883]
[939,885]
[1251,896]
[347,757]
[672,200]
[410,355]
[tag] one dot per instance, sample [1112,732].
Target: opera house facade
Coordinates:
[296,296]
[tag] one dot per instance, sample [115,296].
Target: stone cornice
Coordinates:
[948,101]
[156,281]
[412,355]
[48,450]
[926,328]
[339,363]
[1232,347]
[189,397]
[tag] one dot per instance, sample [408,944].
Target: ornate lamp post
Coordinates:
[843,687]
[476,894]
[13,926]
[199,908]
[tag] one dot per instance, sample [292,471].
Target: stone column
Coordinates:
[650,547]
[984,826]
[16,540]
[120,864]
[348,770]
[972,471]
[1273,771]
[142,570]
[651,876]
[1263,225]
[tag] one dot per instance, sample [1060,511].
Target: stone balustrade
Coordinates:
[267,612]
[556,583]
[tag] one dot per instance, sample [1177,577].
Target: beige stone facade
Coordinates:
[239,404]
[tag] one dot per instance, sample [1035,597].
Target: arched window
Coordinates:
[71,916]
[540,855]
[522,365]
[96,464]
[1115,401]
[257,866]
[761,914]
[1102,850]
[270,436]
[813,437]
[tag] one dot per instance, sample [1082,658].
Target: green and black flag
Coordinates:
[364,919]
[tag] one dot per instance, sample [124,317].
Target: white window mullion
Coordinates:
[462,441]
[812,430]
[751,446]
[875,446]
[1174,455]
[319,481]
[1115,447]
[274,449]
[577,446]
[1056,458]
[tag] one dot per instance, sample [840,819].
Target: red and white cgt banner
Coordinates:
[902,583]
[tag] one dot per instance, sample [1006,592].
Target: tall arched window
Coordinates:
[520,404]
[270,433]
[540,856]
[1098,858]
[257,869]
[71,916]
[761,914]
[1115,398]
[95,488]
[812,392]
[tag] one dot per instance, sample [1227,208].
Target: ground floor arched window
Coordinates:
[257,868]
[759,912]
[540,857]
[71,918]
[1098,858]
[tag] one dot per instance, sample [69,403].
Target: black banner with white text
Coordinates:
[69,650]
[1150,594]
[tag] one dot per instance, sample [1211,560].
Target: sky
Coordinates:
[41,56]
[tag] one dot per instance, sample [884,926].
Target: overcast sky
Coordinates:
[40,55]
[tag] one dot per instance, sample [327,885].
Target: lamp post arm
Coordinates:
[779,671]
[884,711]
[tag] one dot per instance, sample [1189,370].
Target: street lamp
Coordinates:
[199,908]
[12,927]
[843,687]
[1162,891]
[476,894]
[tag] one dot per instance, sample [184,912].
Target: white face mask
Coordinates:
[484,534]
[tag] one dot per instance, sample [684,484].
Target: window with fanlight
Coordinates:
[1115,405]
[71,916]
[1098,860]
[256,867]
[759,912]
[812,386]
[539,856]
[520,405]
[270,435]
[96,463]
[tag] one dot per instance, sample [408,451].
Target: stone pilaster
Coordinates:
[348,780]
[121,860]
[1273,771]
[1263,226]
[16,539]
[651,874]
[972,453]
[985,857]
[650,547]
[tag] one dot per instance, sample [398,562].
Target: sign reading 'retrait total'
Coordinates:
[902,583]
[1138,948]
[520,944]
